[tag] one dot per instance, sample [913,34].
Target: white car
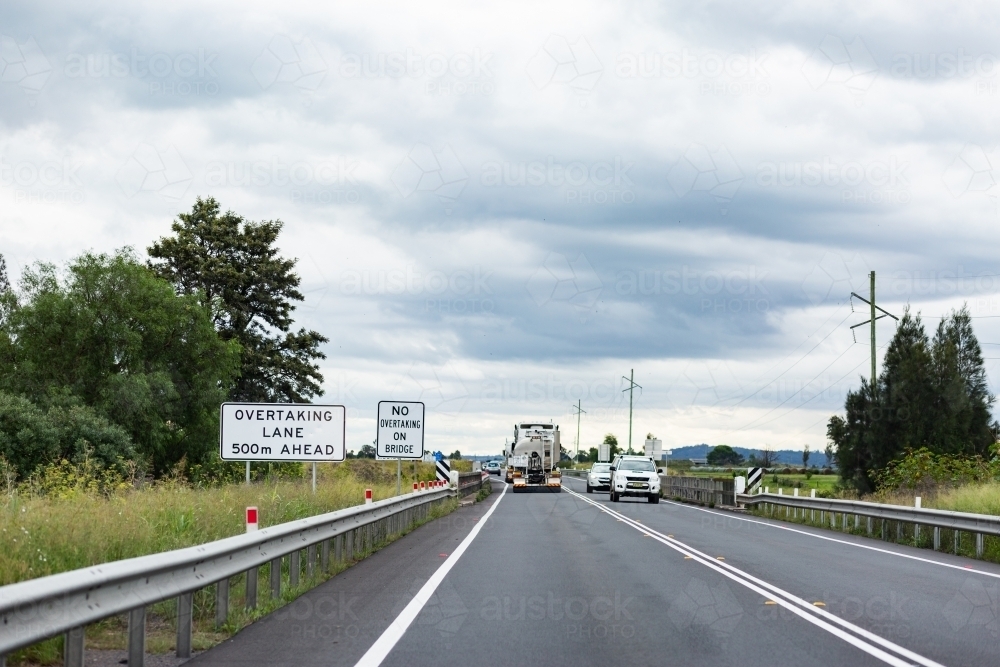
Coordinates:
[635,476]
[599,477]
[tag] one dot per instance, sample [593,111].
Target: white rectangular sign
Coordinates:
[281,432]
[400,430]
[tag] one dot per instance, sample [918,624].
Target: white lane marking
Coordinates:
[930,561]
[387,641]
[794,604]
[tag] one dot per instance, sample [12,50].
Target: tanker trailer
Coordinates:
[532,459]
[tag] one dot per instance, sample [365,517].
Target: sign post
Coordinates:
[281,432]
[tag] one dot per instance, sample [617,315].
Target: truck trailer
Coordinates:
[532,458]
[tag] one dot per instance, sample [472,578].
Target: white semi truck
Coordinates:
[532,458]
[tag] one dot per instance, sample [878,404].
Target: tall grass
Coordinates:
[47,534]
[72,526]
[981,498]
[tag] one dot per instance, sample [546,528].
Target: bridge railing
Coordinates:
[698,489]
[38,609]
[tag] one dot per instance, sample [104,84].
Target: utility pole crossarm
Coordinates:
[861,324]
[887,313]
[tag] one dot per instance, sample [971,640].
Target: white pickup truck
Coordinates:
[635,476]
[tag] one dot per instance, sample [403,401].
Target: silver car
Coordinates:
[599,477]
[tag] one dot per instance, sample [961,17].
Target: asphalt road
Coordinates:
[572,579]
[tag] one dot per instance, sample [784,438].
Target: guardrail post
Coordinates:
[221,602]
[338,548]
[311,561]
[137,637]
[276,578]
[857,521]
[294,568]
[252,588]
[349,549]
[937,538]
[185,609]
[324,558]
[957,534]
[979,545]
[72,649]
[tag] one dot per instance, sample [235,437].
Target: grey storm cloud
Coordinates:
[576,192]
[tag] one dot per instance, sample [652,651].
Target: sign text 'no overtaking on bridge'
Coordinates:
[400,430]
[281,432]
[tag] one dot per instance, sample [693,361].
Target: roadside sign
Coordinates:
[604,453]
[400,430]
[281,432]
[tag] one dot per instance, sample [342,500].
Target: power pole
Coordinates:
[871,321]
[631,385]
[578,413]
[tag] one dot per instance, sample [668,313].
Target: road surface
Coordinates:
[572,579]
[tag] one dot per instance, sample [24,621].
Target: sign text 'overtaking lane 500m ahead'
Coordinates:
[400,430]
[281,432]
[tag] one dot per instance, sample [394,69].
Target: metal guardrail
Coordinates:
[959,522]
[38,609]
[967,522]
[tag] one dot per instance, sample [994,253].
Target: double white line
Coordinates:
[869,642]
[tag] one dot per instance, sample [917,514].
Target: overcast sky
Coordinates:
[502,209]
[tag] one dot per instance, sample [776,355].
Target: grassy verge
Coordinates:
[44,535]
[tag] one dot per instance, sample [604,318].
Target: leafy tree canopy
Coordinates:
[112,336]
[233,265]
[930,394]
[724,455]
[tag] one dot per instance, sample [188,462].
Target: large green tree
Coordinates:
[724,455]
[111,335]
[930,393]
[234,265]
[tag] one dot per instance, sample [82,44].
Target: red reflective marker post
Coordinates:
[251,519]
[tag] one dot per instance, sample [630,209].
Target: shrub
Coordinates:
[923,470]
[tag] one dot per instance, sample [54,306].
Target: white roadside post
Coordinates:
[251,519]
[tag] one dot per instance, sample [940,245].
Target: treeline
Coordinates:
[931,394]
[126,362]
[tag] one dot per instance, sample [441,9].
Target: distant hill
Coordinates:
[788,457]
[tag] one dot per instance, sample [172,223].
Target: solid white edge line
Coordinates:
[735,574]
[388,639]
[921,559]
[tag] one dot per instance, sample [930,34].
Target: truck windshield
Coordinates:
[641,466]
